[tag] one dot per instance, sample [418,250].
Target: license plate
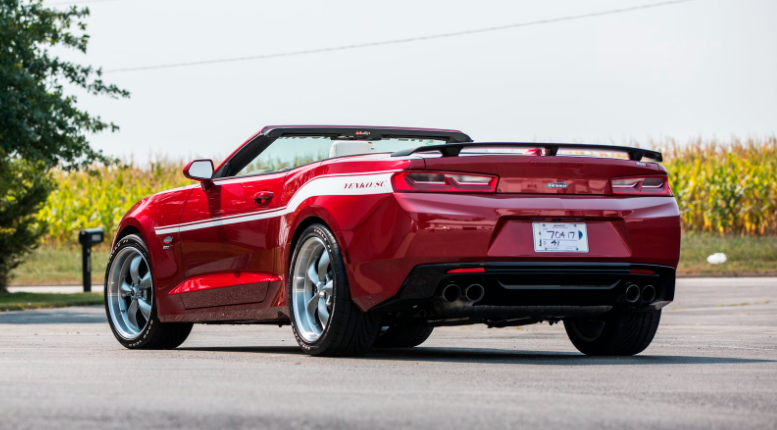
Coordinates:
[560,237]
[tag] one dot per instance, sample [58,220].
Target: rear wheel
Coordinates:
[324,319]
[404,336]
[617,334]
[129,300]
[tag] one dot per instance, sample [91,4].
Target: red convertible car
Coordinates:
[362,237]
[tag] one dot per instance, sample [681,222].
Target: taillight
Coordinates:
[441,182]
[641,186]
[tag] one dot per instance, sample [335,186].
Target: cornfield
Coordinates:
[725,188]
[722,188]
[101,197]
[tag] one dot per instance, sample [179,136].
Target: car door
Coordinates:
[228,237]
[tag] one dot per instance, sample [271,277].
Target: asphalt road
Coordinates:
[713,364]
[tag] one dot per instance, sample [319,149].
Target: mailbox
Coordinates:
[87,238]
[91,236]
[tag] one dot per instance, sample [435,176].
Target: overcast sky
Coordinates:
[705,67]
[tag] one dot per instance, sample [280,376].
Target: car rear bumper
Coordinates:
[531,290]
[414,230]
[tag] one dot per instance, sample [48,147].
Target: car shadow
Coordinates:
[290,350]
[497,356]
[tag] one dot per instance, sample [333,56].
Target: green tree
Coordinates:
[41,127]
[22,188]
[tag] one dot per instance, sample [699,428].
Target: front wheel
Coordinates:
[616,334]
[324,319]
[129,300]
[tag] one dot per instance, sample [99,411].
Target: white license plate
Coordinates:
[560,237]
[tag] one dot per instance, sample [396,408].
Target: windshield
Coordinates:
[292,151]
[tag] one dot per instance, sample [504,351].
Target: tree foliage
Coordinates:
[41,126]
[22,190]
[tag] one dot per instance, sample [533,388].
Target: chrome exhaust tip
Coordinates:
[474,293]
[450,293]
[648,293]
[632,293]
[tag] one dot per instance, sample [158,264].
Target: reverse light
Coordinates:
[641,186]
[442,182]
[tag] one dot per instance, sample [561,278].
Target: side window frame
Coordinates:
[253,146]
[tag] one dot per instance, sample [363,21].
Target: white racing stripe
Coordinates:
[341,185]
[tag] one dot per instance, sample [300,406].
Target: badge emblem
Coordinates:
[557,185]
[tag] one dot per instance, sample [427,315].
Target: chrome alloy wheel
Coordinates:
[312,289]
[130,293]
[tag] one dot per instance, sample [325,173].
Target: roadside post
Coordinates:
[87,238]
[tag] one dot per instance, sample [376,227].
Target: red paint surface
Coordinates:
[245,247]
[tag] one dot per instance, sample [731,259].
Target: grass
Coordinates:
[24,301]
[746,255]
[52,265]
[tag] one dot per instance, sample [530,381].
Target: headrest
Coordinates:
[341,148]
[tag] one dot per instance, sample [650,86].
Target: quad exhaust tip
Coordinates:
[632,293]
[451,293]
[648,293]
[474,293]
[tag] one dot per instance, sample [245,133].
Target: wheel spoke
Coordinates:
[311,307]
[124,290]
[323,313]
[312,274]
[145,308]
[323,264]
[132,313]
[145,281]
[134,269]
[125,269]
[328,287]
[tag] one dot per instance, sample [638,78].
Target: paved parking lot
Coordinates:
[713,364]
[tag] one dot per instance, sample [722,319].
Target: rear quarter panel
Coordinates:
[342,209]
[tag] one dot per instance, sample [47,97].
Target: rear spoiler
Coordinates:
[361,132]
[453,149]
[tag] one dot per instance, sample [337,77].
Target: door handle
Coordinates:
[263,197]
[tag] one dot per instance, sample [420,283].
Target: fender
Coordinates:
[151,212]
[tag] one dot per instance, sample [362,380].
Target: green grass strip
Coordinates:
[24,301]
[746,255]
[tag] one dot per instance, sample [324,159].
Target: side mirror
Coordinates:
[200,170]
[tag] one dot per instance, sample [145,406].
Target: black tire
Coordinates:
[349,331]
[404,336]
[155,334]
[617,334]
